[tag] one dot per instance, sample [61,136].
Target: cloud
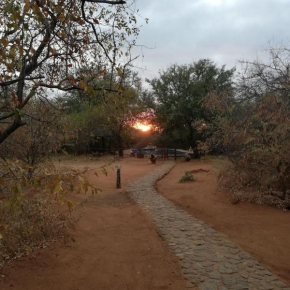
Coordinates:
[222,30]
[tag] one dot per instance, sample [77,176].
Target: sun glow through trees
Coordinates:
[143,127]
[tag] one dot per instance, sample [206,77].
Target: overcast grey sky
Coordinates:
[223,30]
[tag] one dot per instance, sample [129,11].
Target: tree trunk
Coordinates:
[8,131]
[120,146]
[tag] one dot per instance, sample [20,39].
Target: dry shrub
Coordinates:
[252,128]
[31,189]
[42,135]
[29,223]
[31,212]
[243,187]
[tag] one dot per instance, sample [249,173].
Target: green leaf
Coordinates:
[19,64]
[90,91]
[20,112]
[8,7]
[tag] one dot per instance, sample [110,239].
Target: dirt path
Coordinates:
[263,231]
[116,247]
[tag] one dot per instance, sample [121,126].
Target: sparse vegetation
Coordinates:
[49,48]
[66,75]
[187,177]
[35,209]
[252,129]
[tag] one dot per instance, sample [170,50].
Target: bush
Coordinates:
[30,224]
[252,128]
[187,177]
[31,215]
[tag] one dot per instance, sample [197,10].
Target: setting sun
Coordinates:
[142,127]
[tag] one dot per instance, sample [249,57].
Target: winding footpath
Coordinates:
[209,261]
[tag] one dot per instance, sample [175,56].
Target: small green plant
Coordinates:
[187,177]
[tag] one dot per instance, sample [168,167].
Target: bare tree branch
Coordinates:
[74,88]
[5,84]
[106,2]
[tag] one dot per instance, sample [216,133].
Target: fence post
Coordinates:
[118,176]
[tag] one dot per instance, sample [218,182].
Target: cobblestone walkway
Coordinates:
[208,259]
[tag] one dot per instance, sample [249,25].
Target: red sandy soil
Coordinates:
[261,230]
[116,246]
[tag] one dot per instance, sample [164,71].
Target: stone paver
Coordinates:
[208,259]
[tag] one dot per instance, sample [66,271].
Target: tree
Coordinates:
[47,47]
[115,114]
[44,44]
[253,128]
[179,93]
[112,112]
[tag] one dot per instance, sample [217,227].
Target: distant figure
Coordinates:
[187,157]
[153,158]
[190,150]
